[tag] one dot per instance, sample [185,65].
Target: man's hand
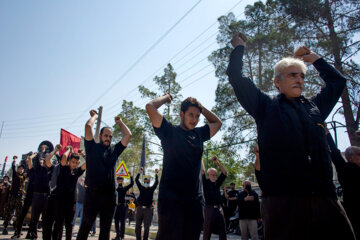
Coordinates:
[129,173]
[93,113]
[249,198]
[33,155]
[69,148]
[306,55]
[170,98]
[58,147]
[156,171]
[141,170]
[215,160]
[118,119]
[239,39]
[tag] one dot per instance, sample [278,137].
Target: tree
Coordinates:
[330,27]
[166,83]
[139,124]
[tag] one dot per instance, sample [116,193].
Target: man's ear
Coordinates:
[181,114]
[277,82]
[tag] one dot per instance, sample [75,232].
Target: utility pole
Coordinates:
[98,124]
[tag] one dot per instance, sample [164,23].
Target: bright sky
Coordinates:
[59,59]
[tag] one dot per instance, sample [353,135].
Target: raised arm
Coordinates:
[65,155]
[257,158]
[89,126]
[334,80]
[51,155]
[249,96]
[154,186]
[214,121]
[152,109]
[137,179]
[217,162]
[202,167]
[131,183]
[29,160]
[13,165]
[125,130]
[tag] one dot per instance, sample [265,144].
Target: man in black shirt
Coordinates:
[45,147]
[100,176]
[121,208]
[249,212]
[64,194]
[180,195]
[144,208]
[293,147]
[41,169]
[15,194]
[230,203]
[213,214]
[349,178]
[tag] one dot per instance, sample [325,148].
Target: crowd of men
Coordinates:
[294,153]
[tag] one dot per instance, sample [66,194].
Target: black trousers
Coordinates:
[179,220]
[64,214]
[49,218]
[25,208]
[39,205]
[312,217]
[214,222]
[97,202]
[143,214]
[120,217]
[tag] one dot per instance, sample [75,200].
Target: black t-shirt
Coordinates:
[146,193]
[121,191]
[42,177]
[66,182]
[100,163]
[212,190]
[232,204]
[183,150]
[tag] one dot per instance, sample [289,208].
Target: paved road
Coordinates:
[112,233]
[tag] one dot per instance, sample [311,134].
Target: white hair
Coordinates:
[350,151]
[211,169]
[288,62]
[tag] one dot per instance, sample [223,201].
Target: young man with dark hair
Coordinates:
[121,207]
[100,176]
[15,194]
[144,208]
[70,171]
[299,199]
[180,194]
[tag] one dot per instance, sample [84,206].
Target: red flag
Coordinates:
[66,139]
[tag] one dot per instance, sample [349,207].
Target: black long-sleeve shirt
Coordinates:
[212,193]
[349,178]
[41,176]
[291,136]
[146,193]
[248,209]
[17,185]
[121,191]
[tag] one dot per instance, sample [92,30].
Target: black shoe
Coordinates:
[16,235]
[5,231]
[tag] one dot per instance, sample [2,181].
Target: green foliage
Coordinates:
[137,121]
[166,84]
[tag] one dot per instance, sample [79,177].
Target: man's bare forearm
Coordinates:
[210,116]
[159,101]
